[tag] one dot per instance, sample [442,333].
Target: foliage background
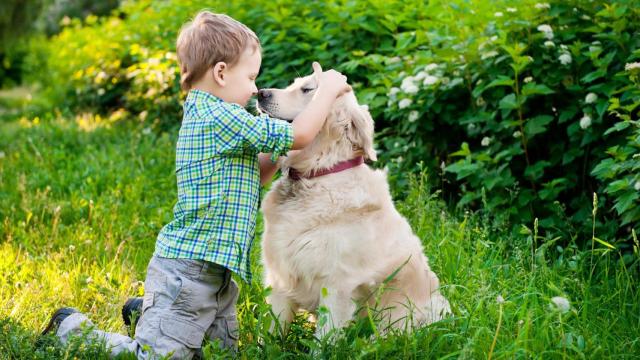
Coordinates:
[517,115]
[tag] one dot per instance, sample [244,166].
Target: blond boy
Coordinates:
[223,154]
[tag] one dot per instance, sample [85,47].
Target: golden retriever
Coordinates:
[335,239]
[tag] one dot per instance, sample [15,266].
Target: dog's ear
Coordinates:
[360,130]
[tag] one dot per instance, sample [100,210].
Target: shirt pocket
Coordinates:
[200,186]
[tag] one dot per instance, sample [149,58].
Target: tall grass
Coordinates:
[82,201]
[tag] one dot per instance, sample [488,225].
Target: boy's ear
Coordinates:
[218,71]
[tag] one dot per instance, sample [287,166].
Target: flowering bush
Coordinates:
[512,105]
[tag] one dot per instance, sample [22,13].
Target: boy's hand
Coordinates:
[330,82]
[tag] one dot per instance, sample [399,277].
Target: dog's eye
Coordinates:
[306,90]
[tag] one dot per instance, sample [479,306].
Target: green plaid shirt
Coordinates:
[218,177]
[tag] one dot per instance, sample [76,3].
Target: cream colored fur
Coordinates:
[341,232]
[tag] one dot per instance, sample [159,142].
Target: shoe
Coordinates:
[131,311]
[57,319]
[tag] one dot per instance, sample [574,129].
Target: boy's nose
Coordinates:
[264,94]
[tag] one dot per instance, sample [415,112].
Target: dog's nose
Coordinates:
[264,94]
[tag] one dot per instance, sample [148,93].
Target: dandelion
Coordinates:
[547,30]
[431,67]
[500,299]
[585,122]
[512,10]
[632,66]
[404,103]
[541,6]
[637,186]
[72,248]
[549,44]
[565,59]
[561,304]
[528,79]
[591,98]
[485,141]
[517,134]
[413,116]
[430,80]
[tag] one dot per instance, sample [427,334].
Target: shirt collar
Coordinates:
[195,95]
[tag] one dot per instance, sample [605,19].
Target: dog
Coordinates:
[332,236]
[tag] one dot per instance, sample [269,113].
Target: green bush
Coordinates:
[507,102]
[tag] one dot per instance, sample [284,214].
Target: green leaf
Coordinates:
[624,202]
[594,75]
[509,102]
[537,125]
[536,89]
[617,127]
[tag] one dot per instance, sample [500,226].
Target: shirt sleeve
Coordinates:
[241,129]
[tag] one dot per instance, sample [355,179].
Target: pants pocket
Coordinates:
[184,332]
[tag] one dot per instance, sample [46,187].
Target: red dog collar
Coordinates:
[343,165]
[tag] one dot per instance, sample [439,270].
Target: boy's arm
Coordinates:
[268,168]
[308,123]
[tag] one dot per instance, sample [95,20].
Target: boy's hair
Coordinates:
[208,39]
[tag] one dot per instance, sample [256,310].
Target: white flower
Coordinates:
[393,92]
[561,304]
[637,185]
[549,44]
[591,98]
[632,66]
[565,59]
[471,127]
[400,159]
[485,141]
[413,116]
[404,103]
[547,30]
[489,54]
[421,75]
[498,14]
[101,91]
[2,154]
[430,67]
[500,299]
[528,79]
[407,83]
[541,6]
[146,131]
[430,80]
[72,248]
[89,280]
[443,165]
[511,10]
[585,122]
[517,134]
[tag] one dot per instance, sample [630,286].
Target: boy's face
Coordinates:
[241,78]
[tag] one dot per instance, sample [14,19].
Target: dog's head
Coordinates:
[347,120]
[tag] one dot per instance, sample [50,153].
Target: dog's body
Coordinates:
[334,239]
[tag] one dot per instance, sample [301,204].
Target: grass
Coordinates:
[81,201]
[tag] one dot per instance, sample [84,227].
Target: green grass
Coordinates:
[82,201]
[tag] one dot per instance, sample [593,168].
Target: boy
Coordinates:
[189,293]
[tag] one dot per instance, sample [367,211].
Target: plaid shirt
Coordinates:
[218,177]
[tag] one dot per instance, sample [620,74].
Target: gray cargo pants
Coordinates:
[184,301]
